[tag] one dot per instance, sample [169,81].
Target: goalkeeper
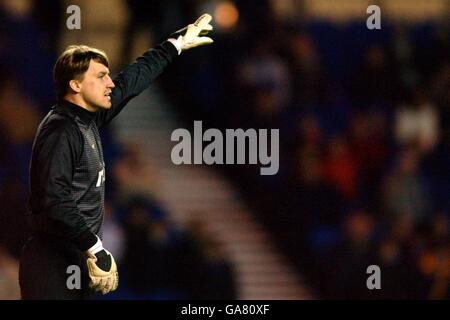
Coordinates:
[67,170]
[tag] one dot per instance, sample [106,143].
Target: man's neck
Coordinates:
[79,102]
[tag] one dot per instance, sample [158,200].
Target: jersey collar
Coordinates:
[77,111]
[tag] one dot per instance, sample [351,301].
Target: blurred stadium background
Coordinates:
[364,146]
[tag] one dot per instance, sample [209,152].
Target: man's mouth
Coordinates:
[108,94]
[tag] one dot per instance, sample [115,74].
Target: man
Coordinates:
[67,170]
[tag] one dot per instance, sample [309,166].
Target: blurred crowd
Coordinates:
[364,152]
[364,143]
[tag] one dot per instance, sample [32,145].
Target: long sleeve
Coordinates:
[55,154]
[135,78]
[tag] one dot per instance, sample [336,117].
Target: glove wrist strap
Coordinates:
[177,43]
[97,247]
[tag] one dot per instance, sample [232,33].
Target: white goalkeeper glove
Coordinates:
[102,269]
[193,35]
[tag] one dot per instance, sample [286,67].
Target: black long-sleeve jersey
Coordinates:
[67,170]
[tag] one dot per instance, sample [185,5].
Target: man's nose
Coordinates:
[110,83]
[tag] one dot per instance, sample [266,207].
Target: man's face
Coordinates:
[96,87]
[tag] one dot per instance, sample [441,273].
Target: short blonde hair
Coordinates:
[73,63]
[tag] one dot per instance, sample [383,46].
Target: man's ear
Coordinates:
[75,85]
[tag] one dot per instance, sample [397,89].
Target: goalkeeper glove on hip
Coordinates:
[102,269]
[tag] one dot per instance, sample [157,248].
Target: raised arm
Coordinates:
[135,78]
[139,75]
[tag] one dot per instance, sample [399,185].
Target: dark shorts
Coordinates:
[52,268]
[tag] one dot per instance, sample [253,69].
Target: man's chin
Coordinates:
[105,106]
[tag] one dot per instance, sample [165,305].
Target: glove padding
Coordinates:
[193,35]
[102,271]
